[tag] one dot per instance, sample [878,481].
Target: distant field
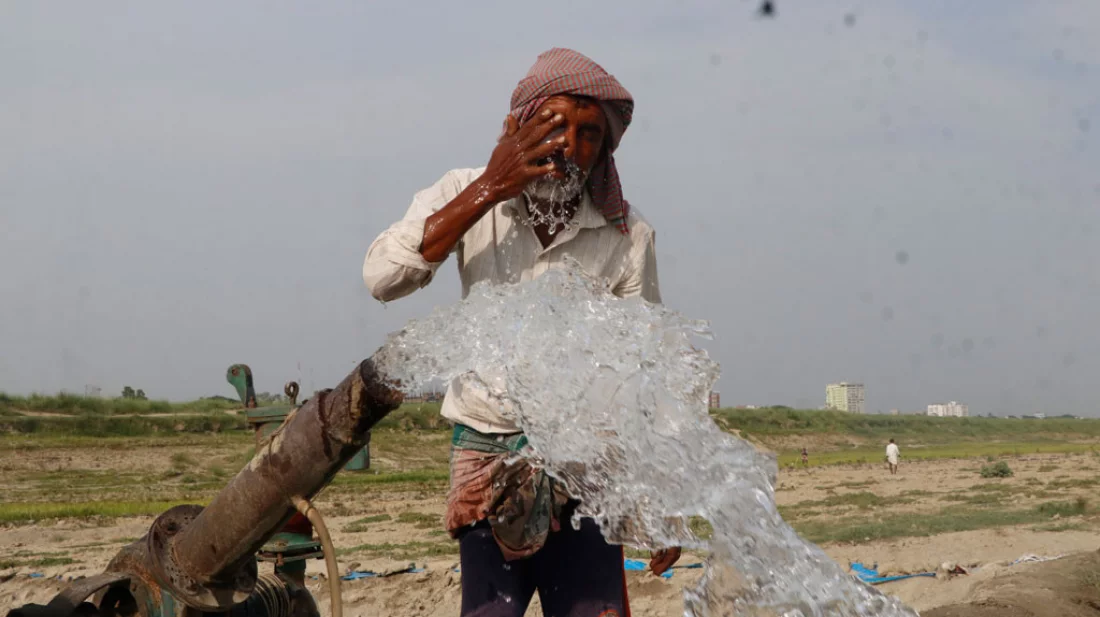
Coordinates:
[70,404]
[958,450]
[767,424]
[832,437]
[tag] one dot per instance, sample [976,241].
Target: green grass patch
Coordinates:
[46,441]
[862,500]
[1091,579]
[399,477]
[979,499]
[363,524]
[995,487]
[46,562]
[1047,468]
[183,459]
[1077,483]
[1064,508]
[860,484]
[700,527]
[408,550]
[415,416]
[947,520]
[1059,527]
[16,512]
[421,520]
[122,426]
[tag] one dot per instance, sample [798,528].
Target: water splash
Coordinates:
[612,396]
[554,194]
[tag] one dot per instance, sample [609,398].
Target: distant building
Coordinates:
[715,401]
[844,396]
[949,410]
[894,412]
[91,391]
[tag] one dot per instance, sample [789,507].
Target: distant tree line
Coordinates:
[129,392]
[263,399]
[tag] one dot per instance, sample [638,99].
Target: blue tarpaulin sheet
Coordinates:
[358,574]
[871,576]
[633,565]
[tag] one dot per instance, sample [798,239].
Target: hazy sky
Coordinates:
[901,193]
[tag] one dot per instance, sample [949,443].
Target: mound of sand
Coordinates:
[1068,587]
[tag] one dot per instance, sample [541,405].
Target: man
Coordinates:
[892,455]
[549,191]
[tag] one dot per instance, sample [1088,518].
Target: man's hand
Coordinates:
[663,560]
[513,165]
[515,160]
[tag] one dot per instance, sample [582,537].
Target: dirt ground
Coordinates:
[382,526]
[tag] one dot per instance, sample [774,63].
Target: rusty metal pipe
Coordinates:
[207,557]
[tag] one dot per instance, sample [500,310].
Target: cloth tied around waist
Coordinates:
[493,480]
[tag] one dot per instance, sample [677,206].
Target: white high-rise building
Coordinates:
[949,410]
[844,396]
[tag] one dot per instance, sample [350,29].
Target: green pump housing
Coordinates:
[264,420]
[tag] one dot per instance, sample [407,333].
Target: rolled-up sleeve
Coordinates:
[394,267]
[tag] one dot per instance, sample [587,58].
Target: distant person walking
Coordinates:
[805,457]
[892,454]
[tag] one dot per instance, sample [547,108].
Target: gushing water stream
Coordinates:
[612,396]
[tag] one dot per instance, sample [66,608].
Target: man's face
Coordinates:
[585,129]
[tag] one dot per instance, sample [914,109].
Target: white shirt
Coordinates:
[503,249]
[892,451]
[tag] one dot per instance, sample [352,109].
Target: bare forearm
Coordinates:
[443,229]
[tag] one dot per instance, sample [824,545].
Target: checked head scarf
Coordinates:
[564,71]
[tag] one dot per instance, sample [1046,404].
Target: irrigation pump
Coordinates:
[197,561]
